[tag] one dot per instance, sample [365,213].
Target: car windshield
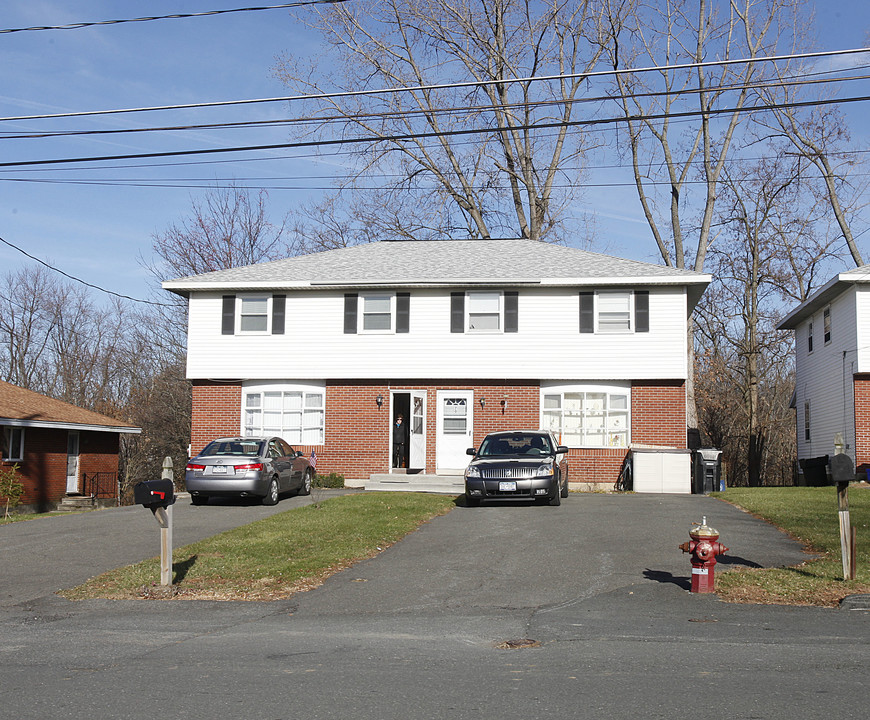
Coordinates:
[236,448]
[518,444]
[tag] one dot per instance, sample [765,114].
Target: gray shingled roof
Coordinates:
[439,262]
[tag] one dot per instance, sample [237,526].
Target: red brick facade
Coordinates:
[358,430]
[43,469]
[862,423]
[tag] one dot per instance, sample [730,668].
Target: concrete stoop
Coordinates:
[77,502]
[421,482]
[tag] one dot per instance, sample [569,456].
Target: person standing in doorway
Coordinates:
[400,438]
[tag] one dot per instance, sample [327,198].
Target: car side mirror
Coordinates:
[471,451]
[562,449]
[298,453]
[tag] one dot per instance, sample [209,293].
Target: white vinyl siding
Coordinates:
[824,380]
[293,413]
[547,345]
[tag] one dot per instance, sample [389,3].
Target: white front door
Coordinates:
[72,462]
[455,430]
[417,458]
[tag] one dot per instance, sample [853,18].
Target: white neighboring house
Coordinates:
[832,371]
[460,337]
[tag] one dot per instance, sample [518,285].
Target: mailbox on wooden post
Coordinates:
[842,473]
[159,496]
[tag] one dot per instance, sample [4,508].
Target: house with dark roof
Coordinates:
[832,373]
[61,451]
[460,337]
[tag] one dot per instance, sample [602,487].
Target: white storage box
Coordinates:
[662,471]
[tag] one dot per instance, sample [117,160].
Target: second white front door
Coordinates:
[455,430]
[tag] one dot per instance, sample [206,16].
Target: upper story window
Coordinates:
[377,312]
[253,314]
[810,336]
[12,439]
[614,311]
[484,311]
[826,319]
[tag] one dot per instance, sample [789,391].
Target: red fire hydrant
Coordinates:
[704,548]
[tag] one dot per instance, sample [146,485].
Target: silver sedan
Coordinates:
[263,467]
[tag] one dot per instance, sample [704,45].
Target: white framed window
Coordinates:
[376,312]
[253,314]
[588,416]
[295,413]
[614,311]
[807,420]
[483,311]
[13,443]
[810,336]
[826,320]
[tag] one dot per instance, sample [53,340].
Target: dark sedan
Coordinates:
[262,467]
[518,465]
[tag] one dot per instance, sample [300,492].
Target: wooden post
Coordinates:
[842,472]
[164,517]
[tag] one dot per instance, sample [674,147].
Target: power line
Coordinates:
[448,110]
[79,280]
[434,134]
[174,16]
[446,86]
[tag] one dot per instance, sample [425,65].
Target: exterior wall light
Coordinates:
[483,402]
[379,400]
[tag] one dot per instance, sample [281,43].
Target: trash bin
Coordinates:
[707,471]
[815,471]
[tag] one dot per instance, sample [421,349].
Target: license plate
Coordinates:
[510,486]
[219,470]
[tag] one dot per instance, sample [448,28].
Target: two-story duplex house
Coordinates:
[460,337]
[832,368]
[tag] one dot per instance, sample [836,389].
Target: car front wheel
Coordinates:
[272,496]
[557,495]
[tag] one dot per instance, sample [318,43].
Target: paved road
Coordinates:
[598,582]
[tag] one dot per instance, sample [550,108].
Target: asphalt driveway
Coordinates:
[597,584]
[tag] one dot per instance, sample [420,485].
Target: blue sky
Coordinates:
[97,232]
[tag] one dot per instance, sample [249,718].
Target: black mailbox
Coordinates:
[154,493]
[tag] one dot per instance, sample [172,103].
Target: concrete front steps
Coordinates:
[419,482]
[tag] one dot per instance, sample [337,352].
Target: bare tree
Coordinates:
[504,178]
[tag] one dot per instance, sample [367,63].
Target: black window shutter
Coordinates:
[457,312]
[279,303]
[587,312]
[511,312]
[403,312]
[641,310]
[228,318]
[350,310]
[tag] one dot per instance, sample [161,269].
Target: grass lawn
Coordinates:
[276,557]
[810,516]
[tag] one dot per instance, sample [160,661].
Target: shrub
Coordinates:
[11,487]
[329,480]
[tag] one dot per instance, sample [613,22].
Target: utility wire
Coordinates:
[446,86]
[447,110]
[433,134]
[79,280]
[175,16]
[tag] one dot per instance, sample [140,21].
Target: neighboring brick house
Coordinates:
[61,450]
[832,372]
[461,337]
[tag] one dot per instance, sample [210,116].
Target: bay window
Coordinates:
[587,416]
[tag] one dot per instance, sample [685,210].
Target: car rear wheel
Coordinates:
[272,496]
[305,488]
